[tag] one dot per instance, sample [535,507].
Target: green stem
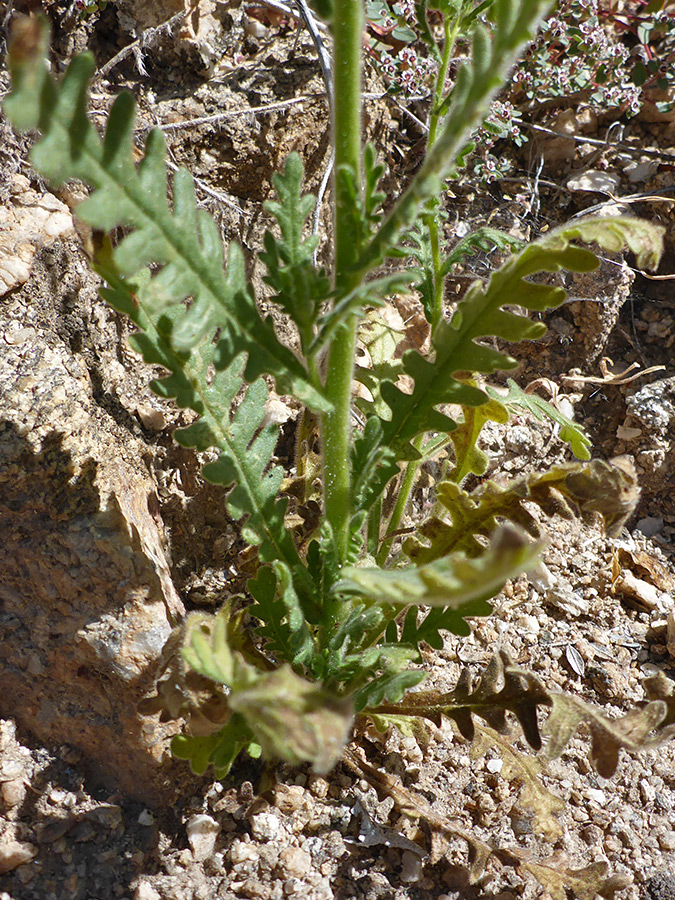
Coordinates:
[451,29]
[348,23]
[407,483]
[374,524]
[476,84]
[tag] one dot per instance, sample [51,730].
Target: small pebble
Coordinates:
[14,338]
[318,786]
[15,853]
[528,624]
[11,769]
[667,840]
[241,852]
[592,834]
[294,886]
[411,749]
[13,792]
[411,867]
[202,832]
[650,525]
[152,419]
[294,862]
[289,798]
[265,826]
[145,891]
[109,815]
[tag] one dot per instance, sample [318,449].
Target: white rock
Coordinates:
[11,769]
[639,591]
[276,411]
[202,832]
[593,180]
[596,795]
[570,601]
[14,854]
[241,852]
[667,840]
[542,577]
[265,826]
[294,862]
[145,891]
[640,171]
[528,624]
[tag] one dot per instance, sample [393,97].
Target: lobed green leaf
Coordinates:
[454,582]
[177,240]
[482,314]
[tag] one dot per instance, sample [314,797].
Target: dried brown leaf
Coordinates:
[582,884]
[524,771]
[608,736]
[588,489]
[413,805]
[660,687]
[502,687]
[552,873]
[646,567]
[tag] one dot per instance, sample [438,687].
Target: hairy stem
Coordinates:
[468,103]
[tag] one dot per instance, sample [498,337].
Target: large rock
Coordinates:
[86,596]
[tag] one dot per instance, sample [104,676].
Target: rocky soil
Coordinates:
[109,533]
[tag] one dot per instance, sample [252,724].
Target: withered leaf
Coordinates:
[413,805]
[180,692]
[660,687]
[583,884]
[502,687]
[294,719]
[645,566]
[608,736]
[610,489]
[552,873]
[524,771]
[587,489]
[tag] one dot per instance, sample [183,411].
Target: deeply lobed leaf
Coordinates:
[457,585]
[300,287]
[589,488]
[183,243]
[482,314]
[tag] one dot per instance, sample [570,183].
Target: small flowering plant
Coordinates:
[408,71]
[611,55]
[90,7]
[504,122]
[581,48]
[402,58]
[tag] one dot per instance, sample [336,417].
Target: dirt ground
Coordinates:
[274,833]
